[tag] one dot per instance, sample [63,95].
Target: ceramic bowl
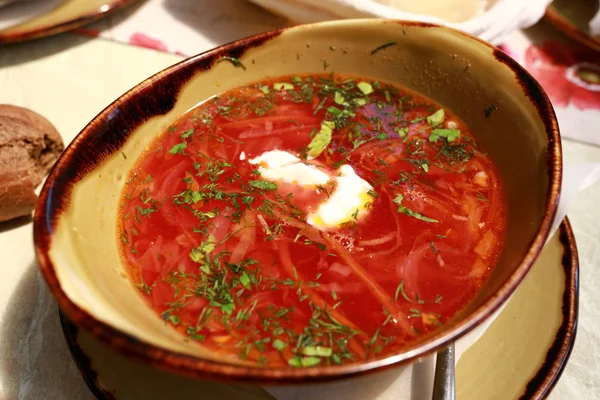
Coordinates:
[572,17]
[75,219]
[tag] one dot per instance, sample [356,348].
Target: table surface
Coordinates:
[69,79]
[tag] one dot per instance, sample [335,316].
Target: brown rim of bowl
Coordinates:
[538,387]
[80,158]
[15,35]
[556,19]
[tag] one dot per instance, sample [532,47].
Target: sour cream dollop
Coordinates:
[347,203]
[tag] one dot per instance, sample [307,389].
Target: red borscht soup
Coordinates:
[312,220]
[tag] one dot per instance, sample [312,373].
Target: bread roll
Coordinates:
[29,147]
[17,197]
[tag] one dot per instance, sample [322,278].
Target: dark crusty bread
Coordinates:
[17,197]
[47,136]
[29,146]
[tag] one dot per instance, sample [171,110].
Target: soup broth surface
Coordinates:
[312,220]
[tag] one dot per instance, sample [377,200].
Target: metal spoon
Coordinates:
[443,384]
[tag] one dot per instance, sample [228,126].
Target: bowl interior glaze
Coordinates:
[75,221]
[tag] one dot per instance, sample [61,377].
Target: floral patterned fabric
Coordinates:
[570,75]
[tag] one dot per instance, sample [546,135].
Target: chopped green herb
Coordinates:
[388,96]
[284,86]
[398,199]
[413,312]
[383,46]
[236,63]
[279,344]
[334,111]
[144,211]
[402,132]
[365,87]
[400,290]
[247,200]
[199,253]
[187,134]
[189,197]
[433,248]
[437,118]
[228,308]
[178,148]
[455,153]
[263,185]
[402,209]
[321,139]
[304,361]
[317,351]
[245,281]
[143,286]
[450,134]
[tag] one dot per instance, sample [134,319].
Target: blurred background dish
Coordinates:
[25,20]
[15,12]
[5,2]
[576,19]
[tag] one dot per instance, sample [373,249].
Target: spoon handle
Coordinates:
[443,384]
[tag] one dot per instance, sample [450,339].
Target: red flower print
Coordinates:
[143,40]
[568,73]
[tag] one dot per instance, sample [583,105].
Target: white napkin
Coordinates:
[490,20]
[19,11]
[416,382]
